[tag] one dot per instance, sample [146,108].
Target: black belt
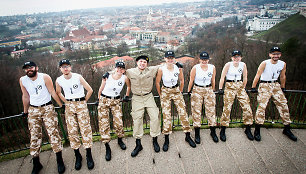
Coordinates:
[171,86]
[117,97]
[272,81]
[142,94]
[76,99]
[49,103]
[233,80]
[202,86]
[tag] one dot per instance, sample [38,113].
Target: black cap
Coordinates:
[30,63]
[273,49]
[120,64]
[143,57]
[169,54]
[236,52]
[204,55]
[64,61]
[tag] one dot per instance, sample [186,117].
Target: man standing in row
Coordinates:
[37,89]
[268,73]
[141,79]
[76,111]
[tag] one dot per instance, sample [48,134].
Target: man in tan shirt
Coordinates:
[141,79]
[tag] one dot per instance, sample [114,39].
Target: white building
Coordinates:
[262,23]
[192,15]
[144,35]
[30,20]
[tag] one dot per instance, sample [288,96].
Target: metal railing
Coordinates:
[15,136]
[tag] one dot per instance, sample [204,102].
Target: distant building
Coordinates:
[109,27]
[192,15]
[30,20]
[129,40]
[268,18]
[83,39]
[302,8]
[163,37]
[144,35]
[173,45]
[18,54]
[262,23]
[80,33]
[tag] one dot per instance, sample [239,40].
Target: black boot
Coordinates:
[197,137]
[289,134]
[189,140]
[137,149]
[213,134]
[60,162]
[121,144]
[257,136]
[155,144]
[248,132]
[78,160]
[108,154]
[90,162]
[166,144]
[222,133]
[36,165]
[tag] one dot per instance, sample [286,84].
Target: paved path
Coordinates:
[274,154]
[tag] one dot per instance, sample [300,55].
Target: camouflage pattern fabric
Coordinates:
[197,96]
[265,92]
[77,117]
[36,116]
[233,89]
[103,113]
[168,94]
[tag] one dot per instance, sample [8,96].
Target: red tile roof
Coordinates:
[186,59]
[173,42]
[19,51]
[108,26]
[135,28]
[81,32]
[164,33]
[111,62]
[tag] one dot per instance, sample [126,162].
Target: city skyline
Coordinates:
[21,7]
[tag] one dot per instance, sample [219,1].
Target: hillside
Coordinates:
[294,26]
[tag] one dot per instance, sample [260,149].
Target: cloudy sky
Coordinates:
[13,7]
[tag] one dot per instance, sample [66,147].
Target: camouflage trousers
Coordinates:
[168,94]
[233,89]
[36,116]
[139,103]
[265,92]
[77,117]
[105,104]
[197,96]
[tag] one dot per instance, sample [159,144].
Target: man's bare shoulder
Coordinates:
[22,77]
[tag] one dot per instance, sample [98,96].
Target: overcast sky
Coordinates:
[13,7]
